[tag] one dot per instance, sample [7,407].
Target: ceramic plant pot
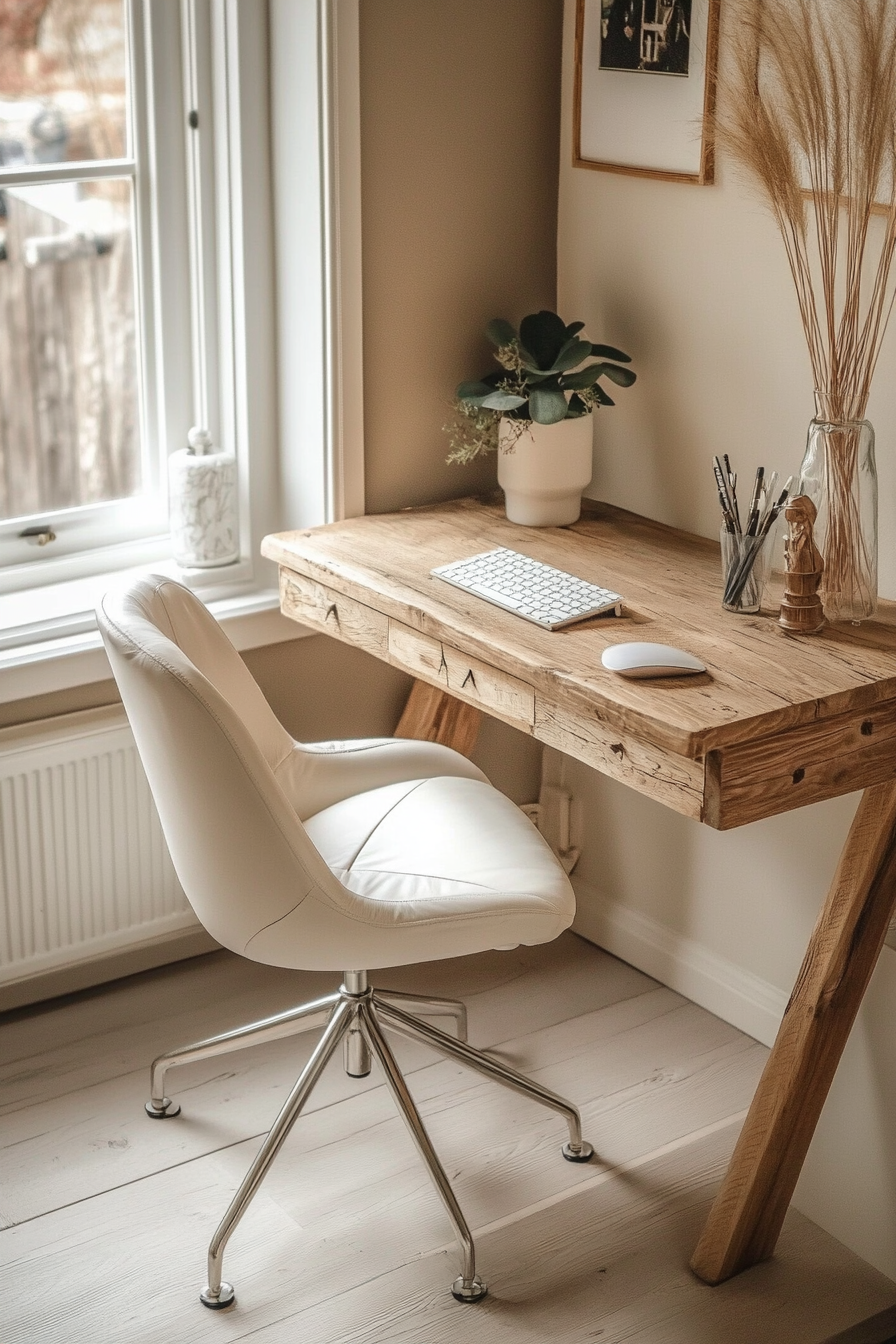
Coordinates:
[544,471]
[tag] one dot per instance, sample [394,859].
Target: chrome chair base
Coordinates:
[357,1016]
[224,1298]
[166,1110]
[583,1153]
[473,1292]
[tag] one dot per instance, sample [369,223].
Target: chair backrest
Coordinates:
[209,743]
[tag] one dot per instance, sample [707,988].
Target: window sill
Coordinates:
[49,640]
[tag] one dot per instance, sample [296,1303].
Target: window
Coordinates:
[155,154]
[79,462]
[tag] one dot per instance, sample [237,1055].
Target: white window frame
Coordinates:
[86,535]
[281,289]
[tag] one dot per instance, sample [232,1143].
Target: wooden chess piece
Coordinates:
[801,610]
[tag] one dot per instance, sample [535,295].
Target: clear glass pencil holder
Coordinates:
[746,564]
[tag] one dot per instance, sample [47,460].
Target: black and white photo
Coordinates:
[650,127]
[650,36]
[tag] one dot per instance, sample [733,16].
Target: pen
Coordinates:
[753,516]
[724,500]
[776,509]
[731,477]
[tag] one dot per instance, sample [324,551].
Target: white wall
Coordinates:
[693,282]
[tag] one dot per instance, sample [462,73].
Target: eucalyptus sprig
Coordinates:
[549,372]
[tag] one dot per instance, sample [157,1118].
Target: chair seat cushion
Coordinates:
[446,854]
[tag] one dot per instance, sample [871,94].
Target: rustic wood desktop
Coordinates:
[776,722]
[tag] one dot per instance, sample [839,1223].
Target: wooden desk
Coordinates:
[776,722]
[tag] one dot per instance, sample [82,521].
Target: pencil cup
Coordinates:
[746,562]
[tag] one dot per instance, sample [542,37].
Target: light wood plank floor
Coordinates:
[106,1216]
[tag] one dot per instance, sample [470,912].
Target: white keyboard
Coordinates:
[550,597]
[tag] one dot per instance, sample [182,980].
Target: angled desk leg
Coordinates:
[745,1220]
[432,715]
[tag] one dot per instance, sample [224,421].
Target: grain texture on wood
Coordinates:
[749,1210]
[752,780]
[470,679]
[435,716]
[672,780]
[760,681]
[334,614]
[112,1202]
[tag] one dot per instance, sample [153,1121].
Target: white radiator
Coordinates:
[84,869]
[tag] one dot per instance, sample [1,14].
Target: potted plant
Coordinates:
[535,410]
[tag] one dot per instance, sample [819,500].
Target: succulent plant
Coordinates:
[549,372]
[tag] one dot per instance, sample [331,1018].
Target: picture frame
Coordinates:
[644,91]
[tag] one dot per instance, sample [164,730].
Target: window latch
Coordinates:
[39,536]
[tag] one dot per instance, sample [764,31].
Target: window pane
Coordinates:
[69,424]
[62,81]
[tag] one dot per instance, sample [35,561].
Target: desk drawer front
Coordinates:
[821,760]
[334,614]
[673,780]
[468,678]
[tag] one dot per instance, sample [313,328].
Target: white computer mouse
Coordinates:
[650,660]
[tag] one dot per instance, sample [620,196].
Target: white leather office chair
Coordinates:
[332,856]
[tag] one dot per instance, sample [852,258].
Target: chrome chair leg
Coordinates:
[216,1293]
[468,1287]
[576,1150]
[357,1053]
[427,1006]
[290,1023]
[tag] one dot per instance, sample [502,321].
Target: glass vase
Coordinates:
[839,475]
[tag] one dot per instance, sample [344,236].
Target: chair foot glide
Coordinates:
[166,1110]
[583,1153]
[225,1297]
[473,1290]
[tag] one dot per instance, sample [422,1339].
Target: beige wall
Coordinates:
[460,119]
[693,282]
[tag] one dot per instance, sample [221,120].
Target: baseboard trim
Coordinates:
[746,1001]
[158,951]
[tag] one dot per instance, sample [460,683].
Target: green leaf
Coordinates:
[500,332]
[474,392]
[544,335]
[586,377]
[547,405]
[577,408]
[571,354]
[502,401]
[601,397]
[621,377]
[574,328]
[610,352]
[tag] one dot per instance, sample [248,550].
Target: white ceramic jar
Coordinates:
[545,471]
[203,511]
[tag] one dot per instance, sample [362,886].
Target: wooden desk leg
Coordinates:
[745,1219]
[435,716]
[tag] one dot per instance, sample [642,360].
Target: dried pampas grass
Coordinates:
[811,115]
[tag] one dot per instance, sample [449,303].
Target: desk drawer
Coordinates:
[314,604]
[752,780]
[468,678]
[670,779]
